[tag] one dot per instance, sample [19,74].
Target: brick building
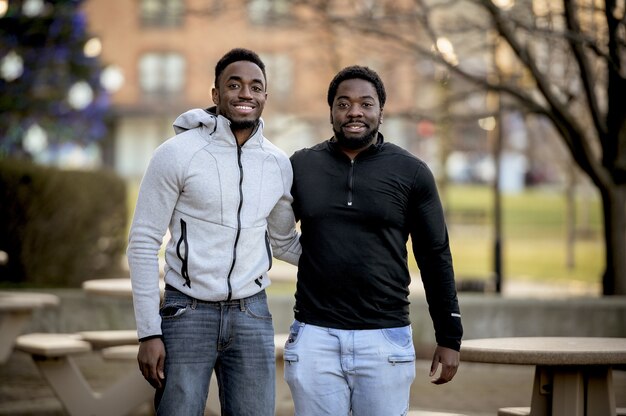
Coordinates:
[166,51]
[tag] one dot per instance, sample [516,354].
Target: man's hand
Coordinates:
[151,359]
[449,360]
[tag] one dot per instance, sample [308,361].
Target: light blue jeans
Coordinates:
[235,338]
[338,372]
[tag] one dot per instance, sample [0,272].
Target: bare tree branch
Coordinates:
[586,73]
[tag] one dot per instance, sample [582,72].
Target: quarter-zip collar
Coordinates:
[255,139]
[334,148]
[372,149]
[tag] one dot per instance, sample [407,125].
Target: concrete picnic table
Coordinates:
[573,375]
[16,309]
[54,356]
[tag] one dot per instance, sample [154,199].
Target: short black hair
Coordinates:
[236,55]
[360,72]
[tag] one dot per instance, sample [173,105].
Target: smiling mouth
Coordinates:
[354,127]
[244,108]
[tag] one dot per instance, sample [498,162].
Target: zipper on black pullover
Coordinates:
[232,266]
[350,182]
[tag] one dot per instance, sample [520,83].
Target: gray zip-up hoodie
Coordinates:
[227,209]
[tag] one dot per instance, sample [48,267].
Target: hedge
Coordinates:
[58,227]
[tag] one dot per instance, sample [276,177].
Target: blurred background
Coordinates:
[516,106]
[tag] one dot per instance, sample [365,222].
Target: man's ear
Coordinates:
[215,95]
[380,118]
[331,118]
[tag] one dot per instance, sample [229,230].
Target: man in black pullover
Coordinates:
[358,199]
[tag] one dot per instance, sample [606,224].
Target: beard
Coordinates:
[355,143]
[243,124]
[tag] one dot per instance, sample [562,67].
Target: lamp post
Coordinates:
[493,126]
[503,65]
[497,197]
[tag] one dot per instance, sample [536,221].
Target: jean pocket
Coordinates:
[258,310]
[172,311]
[401,359]
[290,358]
[400,337]
[294,332]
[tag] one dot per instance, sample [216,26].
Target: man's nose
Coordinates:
[355,111]
[245,92]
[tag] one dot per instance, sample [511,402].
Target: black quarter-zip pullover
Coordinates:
[356,217]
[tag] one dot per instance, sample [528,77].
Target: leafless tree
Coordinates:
[565,62]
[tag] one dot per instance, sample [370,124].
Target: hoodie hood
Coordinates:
[194,118]
[199,117]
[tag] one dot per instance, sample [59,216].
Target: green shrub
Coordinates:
[57,227]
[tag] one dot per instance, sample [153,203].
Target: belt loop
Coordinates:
[242,305]
[194,303]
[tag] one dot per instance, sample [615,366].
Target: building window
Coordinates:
[279,70]
[161,74]
[264,12]
[162,13]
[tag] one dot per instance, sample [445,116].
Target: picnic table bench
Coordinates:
[16,309]
[54,356]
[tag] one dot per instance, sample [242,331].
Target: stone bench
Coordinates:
[54,356]
[43,346]
[104,339]
[120,352]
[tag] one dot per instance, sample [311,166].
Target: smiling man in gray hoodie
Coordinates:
[223,192]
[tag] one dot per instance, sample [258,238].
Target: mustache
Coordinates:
[367,126]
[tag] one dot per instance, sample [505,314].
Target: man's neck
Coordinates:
[353,153]
[242,135]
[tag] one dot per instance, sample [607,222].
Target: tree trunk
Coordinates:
[614,206]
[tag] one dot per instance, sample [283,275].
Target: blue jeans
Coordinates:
[339,372]
[234,338]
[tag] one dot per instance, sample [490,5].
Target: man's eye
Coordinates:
[342,105]
[368,105]
[233,86]
[257,89]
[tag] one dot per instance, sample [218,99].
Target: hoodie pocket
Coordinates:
[182,251]
[268,247]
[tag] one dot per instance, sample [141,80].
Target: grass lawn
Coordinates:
[534,234]
[533,239]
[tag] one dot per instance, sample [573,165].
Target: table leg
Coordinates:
[568,392]
[558,391]
[573,391]
[74,392]
[11,325]
[600,393]
[542,392]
